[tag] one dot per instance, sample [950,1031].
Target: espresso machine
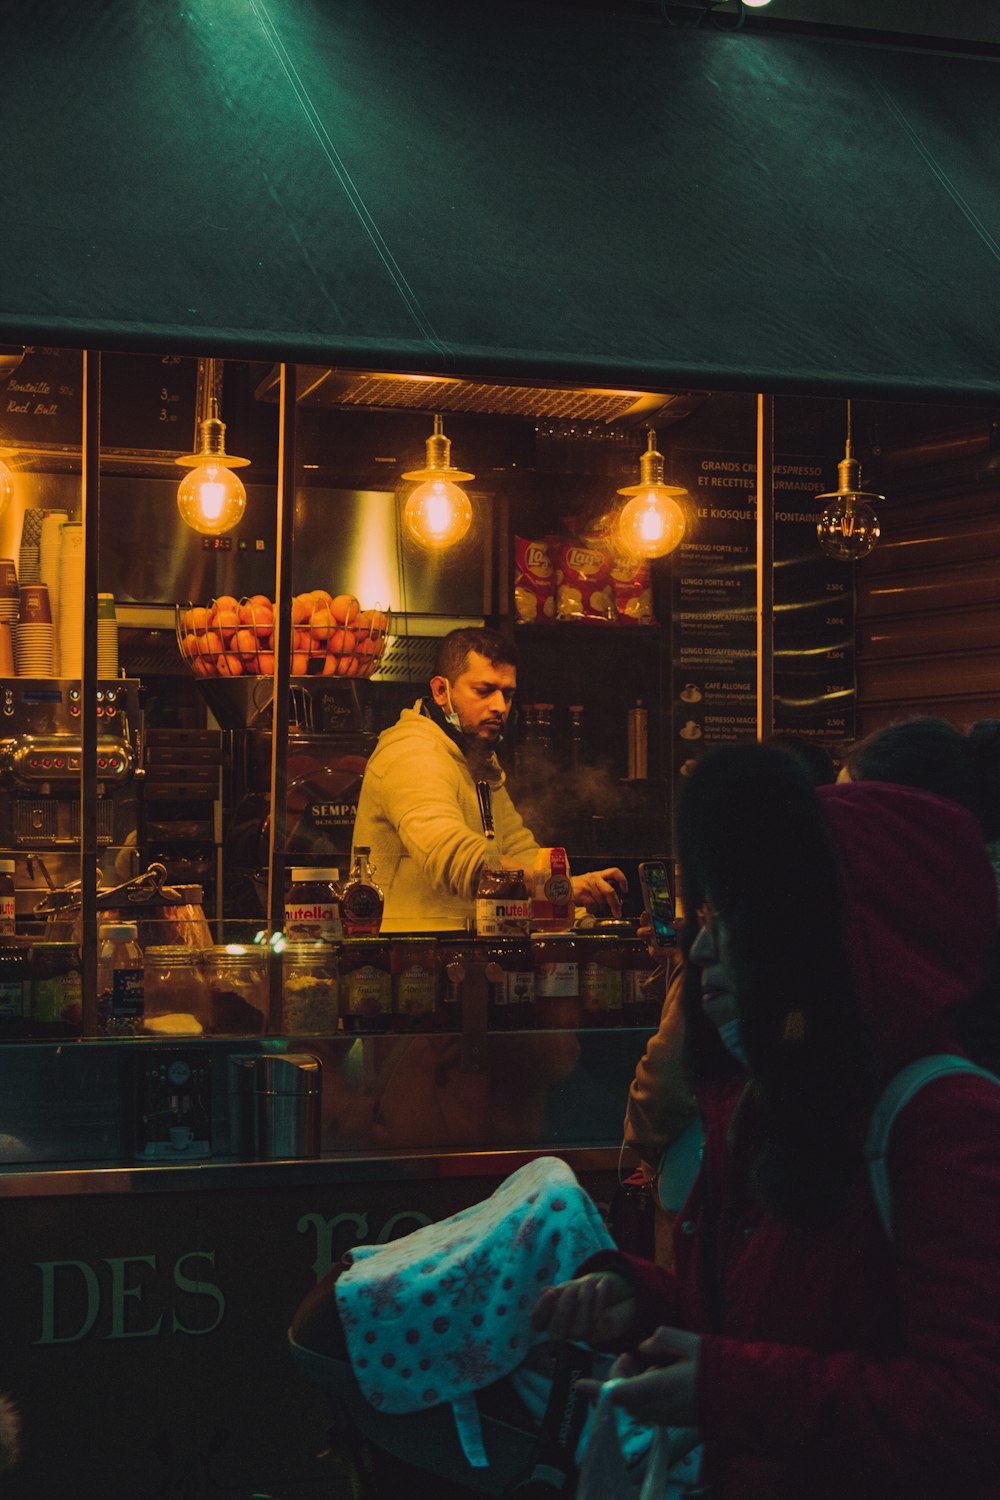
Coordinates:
[41,754]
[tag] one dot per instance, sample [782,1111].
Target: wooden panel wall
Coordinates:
[928,597]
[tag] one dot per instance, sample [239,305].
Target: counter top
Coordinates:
[218,1175]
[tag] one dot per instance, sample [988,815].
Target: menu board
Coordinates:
[148,402]
[714,598]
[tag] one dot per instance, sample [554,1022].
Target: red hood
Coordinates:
[923,905]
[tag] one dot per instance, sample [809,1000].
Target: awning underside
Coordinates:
[520,189]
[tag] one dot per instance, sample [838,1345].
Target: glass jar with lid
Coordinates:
[309,988]
[416,984]
[236,976]
[365,984]
[176,986]
[56,990]
[600,979]
[556,962]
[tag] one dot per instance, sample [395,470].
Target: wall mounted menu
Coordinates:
[147,402]
[713,616]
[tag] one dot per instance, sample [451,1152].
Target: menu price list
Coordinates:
[713,617]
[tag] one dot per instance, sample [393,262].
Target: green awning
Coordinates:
[507,187]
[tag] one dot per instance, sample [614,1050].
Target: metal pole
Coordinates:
[765,566]
[287,418]
[89,515]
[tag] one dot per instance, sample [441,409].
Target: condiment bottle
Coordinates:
[361,900]
[416,984]
[7,925]
[552,905]
[511,979]
[56,989]
[365,985]
[120,993]
[312,906]
[503,907]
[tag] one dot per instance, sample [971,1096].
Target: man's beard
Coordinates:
[479,753]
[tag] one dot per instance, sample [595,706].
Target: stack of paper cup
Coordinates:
[107,637]
[70,622]
[34,644]
[49,553]
[31,536]
[9,604]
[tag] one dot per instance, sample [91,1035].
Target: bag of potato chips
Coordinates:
[534,581]
[633,589]
[584,586]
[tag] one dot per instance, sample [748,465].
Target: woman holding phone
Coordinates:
[818,1354]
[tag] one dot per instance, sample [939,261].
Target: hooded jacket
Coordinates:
[419,815]
[834,1363]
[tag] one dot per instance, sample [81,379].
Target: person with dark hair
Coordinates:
[434,809]
[936,755]
[815,757]
[820,1353]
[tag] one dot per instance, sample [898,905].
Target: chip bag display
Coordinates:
[584,585]
[534,581]
[633,590]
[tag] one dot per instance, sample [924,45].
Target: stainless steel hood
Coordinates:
[319,386]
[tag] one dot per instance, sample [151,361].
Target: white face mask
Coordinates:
[451,715]
[729,1036]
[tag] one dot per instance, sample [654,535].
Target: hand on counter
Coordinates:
[600,888]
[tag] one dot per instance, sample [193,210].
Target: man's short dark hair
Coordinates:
[453,650]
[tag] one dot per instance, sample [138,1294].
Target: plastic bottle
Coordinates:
[361,900]
[575,736]
[120,988]
[552,905]
[7,925]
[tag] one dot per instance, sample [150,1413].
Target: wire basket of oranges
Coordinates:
[332,636]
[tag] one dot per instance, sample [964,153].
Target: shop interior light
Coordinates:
[438,513]
[211,498]
[848,528]
[652,523]
[6,487]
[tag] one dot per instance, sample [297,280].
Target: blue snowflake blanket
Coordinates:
[439,1314]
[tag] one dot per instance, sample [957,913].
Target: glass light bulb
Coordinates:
[651,524]
[848,529]
[437,513]
[211,499]
[6,487]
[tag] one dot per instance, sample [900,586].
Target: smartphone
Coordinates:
[658,901]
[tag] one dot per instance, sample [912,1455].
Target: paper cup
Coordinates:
[6,651]
[8,578]
[34,605]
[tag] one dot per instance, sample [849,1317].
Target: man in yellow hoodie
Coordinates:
[423,811]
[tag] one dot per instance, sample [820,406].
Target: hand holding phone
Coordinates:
[658,901]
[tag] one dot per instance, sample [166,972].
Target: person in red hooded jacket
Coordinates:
[838,932]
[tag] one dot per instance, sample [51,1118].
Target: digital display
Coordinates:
[42,695]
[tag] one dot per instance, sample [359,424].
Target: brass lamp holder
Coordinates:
[438,461]
[213,444]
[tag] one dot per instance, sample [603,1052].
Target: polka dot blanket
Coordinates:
[439,1314]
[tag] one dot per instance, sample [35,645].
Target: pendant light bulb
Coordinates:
[652,523]
[438,513]
[848,528]
[211,498]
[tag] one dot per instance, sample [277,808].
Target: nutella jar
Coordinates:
[312,906]
[556,963]
[503,906]
[416,984]
[365,985]
[600,980]
[510,976]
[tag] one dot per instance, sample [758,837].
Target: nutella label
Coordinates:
[7,913]
[313,919]
[503,916]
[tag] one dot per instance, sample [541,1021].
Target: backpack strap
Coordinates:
[895,1096]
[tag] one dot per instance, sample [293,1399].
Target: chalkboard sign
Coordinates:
[148,402]
[41,401]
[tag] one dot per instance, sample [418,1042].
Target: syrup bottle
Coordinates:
[361,900]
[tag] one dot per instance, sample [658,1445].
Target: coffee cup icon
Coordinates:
[181,1137]
[691,693]
[691,731]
